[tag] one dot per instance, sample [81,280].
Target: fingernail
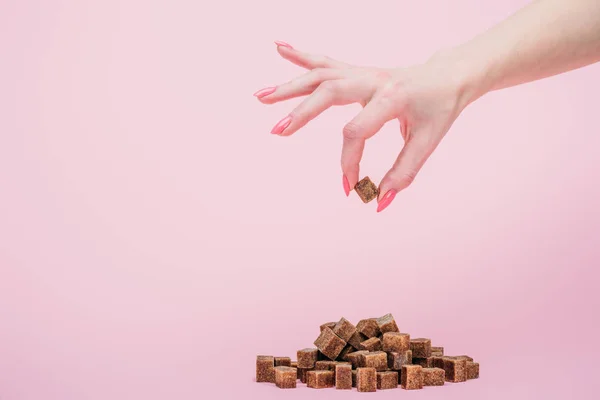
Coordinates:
[346,186]
[386,200]
[265,92]
[284,44]
[281,125]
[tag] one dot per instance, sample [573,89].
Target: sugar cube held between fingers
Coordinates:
[387,380]
[421,348]
[411,377]
[387,324]
[265,369]
[433,377]
[366,190]
[307,358]
[285,377]
[343,376]
[330,344]
[396,342]
[366,380]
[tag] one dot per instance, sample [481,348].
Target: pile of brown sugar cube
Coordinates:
[371,356]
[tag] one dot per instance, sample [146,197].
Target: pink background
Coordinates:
[154,237]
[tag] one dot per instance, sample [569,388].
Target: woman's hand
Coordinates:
[425,99]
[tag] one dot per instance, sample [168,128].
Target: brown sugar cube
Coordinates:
[294,364]
[376,359]
[411,377]
[437,361]
[464,358]
[330,344]
[355,358]
[368,327]
[434,377]
[397,360]
[456,369]
[319,379]
[472,370]
[329,325]
[356,340]
[344,329]
[423,362]
[387,324]
[283,361]
[344,354]
[421,348]
[366,380]
[396,342]
[387,380]
[324,365]
[307,358]
[373,344]
[302,373]
[437,351]
[265,369]
[285,377]
[343,376]
[366,190]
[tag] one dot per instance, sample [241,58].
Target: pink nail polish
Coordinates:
[284,44]
[346,186]
[386,200]
[265,92]
[281,125]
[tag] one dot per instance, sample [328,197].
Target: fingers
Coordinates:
[366,124]
[329,93]
[300,86]
[309,61]
[408,164]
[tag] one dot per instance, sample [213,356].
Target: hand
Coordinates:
[425,99]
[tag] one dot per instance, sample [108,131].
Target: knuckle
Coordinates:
[405,178]
[318,73]
[329,86]
[352,131]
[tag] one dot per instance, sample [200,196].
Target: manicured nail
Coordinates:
[284,44]
[281,125]
[346,186]
[386,200]
[265,92]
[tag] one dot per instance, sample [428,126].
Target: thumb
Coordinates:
[408,164]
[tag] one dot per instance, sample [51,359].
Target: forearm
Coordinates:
[545,38]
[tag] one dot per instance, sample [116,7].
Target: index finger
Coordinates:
[366,124]
[309,61]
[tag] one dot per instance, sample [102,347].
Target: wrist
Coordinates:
[469,76]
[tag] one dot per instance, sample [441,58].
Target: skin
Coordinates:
[545,38]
